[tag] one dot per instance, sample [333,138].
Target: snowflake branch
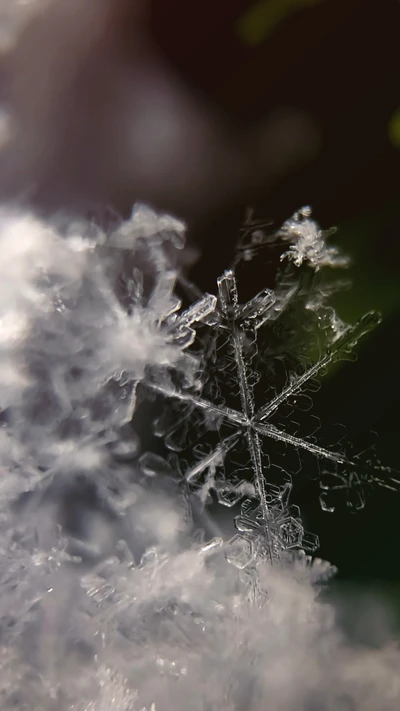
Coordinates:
[213,457]
[226,413]
[339,348]
[227,291]
[298,443]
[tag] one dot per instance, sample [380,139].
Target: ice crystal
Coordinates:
[118,590]
[267,523]
[308,243]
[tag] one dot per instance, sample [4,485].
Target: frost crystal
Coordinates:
[267,523]
[307,243]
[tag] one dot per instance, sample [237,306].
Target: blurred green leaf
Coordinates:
[260,20]
[394,128]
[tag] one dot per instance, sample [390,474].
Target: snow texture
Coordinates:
[118,592]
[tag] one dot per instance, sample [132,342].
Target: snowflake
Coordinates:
[266,521]
[308,243]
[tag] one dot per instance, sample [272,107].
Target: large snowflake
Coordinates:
[231,352]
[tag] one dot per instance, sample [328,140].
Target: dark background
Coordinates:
[338,62]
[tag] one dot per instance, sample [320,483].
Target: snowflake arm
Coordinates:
[228,297]
[213,458]
[339,348]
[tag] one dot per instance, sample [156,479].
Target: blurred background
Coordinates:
[206,108]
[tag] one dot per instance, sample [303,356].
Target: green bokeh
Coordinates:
[394,128]
[261,19]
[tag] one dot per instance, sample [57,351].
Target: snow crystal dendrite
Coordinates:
[267,523]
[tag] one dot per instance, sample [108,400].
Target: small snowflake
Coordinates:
[308,243]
